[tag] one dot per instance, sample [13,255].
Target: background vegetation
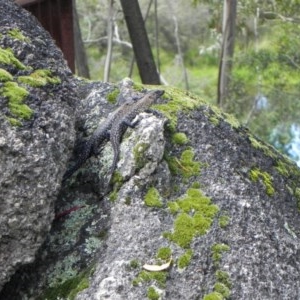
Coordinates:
[186,40]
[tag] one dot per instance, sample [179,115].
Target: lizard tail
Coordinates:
[81,160]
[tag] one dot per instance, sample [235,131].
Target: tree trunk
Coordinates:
[229,17]
[80,55]
[139,39]
[110,25]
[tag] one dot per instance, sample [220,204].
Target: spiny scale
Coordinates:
[96,141]
[129,113]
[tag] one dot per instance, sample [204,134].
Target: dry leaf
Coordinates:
[157,268]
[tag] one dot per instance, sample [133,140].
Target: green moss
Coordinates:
[297,195]
[173,207]
[224,221]
[222,289]
[213,296]
[5,76]
[164,253]
[112,96]
[152,198]
[16,95]
[184,166]
[68,289]
[256,174]
[214,120]
[196,185]
[152,294]
[282,168]
[128,200]
[17,35]
[14,122]
[217,251]
[195,217]
[145,276]
[266,149]
[185,259]
[139,154]
[224,278]
[117,180]
[180,138]
[7,57]
[113,195]
[134,264]
[179,101]
[39,78]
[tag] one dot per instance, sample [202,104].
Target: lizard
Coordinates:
[96,141]
[120,125]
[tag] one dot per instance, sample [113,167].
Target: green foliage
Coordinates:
[213,296]
[39,78]
[7,57]
[256,174]
[185,259]
[68,289]
[17,34]
[164,253]
[185,166]
[152,294]
[195,216]
[152,198]
[180,138]
[145,276]
[16,95]
[5,76]
[112,96]
[224,221]
[217,251]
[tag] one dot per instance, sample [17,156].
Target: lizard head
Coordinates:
[159,93]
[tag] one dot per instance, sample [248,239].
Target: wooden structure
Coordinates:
[56,16]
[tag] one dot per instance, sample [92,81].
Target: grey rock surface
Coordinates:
[33,150]
[227,211]
[195,194]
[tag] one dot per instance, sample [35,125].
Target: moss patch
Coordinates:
[256,174]
[152,198]
[185,166]
[17,35]
[224,221]
[117,180]
[185,259]
[222,288]
[134,264]
[68,289]
[16,95]
[39,78]
[213,296]
[195,216]
[112,96]
[14,121]
[152,294]
[7,57]
[217,251]
[164,253]
[5,76]
[179,138]
[156,277]
[179,101]
[266,149]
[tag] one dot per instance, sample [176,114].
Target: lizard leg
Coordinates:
[154,112]
[130,124]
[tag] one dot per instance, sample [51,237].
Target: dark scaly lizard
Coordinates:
[96,141]
[129,113]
